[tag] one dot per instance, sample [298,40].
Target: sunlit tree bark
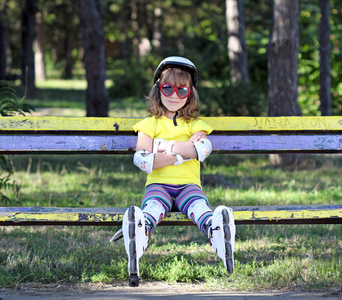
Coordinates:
[237,49]
[283,66]
[283,59]
[39,49]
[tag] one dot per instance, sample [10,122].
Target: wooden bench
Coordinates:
[66,135]
[60,135]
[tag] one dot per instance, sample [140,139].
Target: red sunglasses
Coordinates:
[181,91]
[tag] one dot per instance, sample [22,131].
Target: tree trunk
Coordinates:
[3,43]
[324,66]
[90,14]
[283,67]
[39,49]
[135,26]
[283,59]
[237,49]
[28,34]
[69,39]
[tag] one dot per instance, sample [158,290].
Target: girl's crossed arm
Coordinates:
[161,160]
[185,149]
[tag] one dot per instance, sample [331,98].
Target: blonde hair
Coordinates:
[177,77]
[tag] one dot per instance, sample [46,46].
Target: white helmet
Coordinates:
[177,62]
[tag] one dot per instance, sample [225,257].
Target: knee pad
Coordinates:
[197,209]
[203,148]
[144,160]
[155,209]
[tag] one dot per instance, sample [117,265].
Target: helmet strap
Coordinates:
[174,118]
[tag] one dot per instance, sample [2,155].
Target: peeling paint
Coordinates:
[175,217]
[331,123]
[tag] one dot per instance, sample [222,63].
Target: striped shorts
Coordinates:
[188,199]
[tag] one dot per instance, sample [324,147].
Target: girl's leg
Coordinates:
[194,203]
[139,224]
[218,225]
[156,203]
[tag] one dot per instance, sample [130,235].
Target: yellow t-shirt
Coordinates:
[163,128]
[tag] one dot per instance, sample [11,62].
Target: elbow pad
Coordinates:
[144,160]
[203,148]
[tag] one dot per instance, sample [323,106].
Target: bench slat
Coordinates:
[238,124]
[126,144]
[296,214]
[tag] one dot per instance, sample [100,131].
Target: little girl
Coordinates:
[172,142]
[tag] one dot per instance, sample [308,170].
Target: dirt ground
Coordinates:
[150,291]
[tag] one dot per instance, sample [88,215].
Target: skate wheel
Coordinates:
[132,251]
[132,266]
[225,216]
[229,252]
[131,213]
[133,280]
[230,266]
[226,231]
[131,231]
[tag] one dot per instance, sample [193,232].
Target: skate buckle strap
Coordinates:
[117,236]
[210,233]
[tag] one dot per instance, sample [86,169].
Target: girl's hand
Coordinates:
[197,136]
[162,146]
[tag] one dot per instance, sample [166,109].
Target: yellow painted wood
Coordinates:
[125,124]
[284,214]
[274,123]
[60,217]
[172,217]
[67,124]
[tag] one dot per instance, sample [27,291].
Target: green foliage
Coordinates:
[196,29]
[131,79]
[246,99]
[308,68]
[5,184]
[10,104]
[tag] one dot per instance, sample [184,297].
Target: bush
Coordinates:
[10,105]
[223,99]
[131,79]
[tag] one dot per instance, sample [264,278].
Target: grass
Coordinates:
[67,98]
[268,256]
[308,257]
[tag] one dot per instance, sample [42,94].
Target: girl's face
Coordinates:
[173,103]
[179,82]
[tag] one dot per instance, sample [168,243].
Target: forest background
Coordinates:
[44,49]
[44,38]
